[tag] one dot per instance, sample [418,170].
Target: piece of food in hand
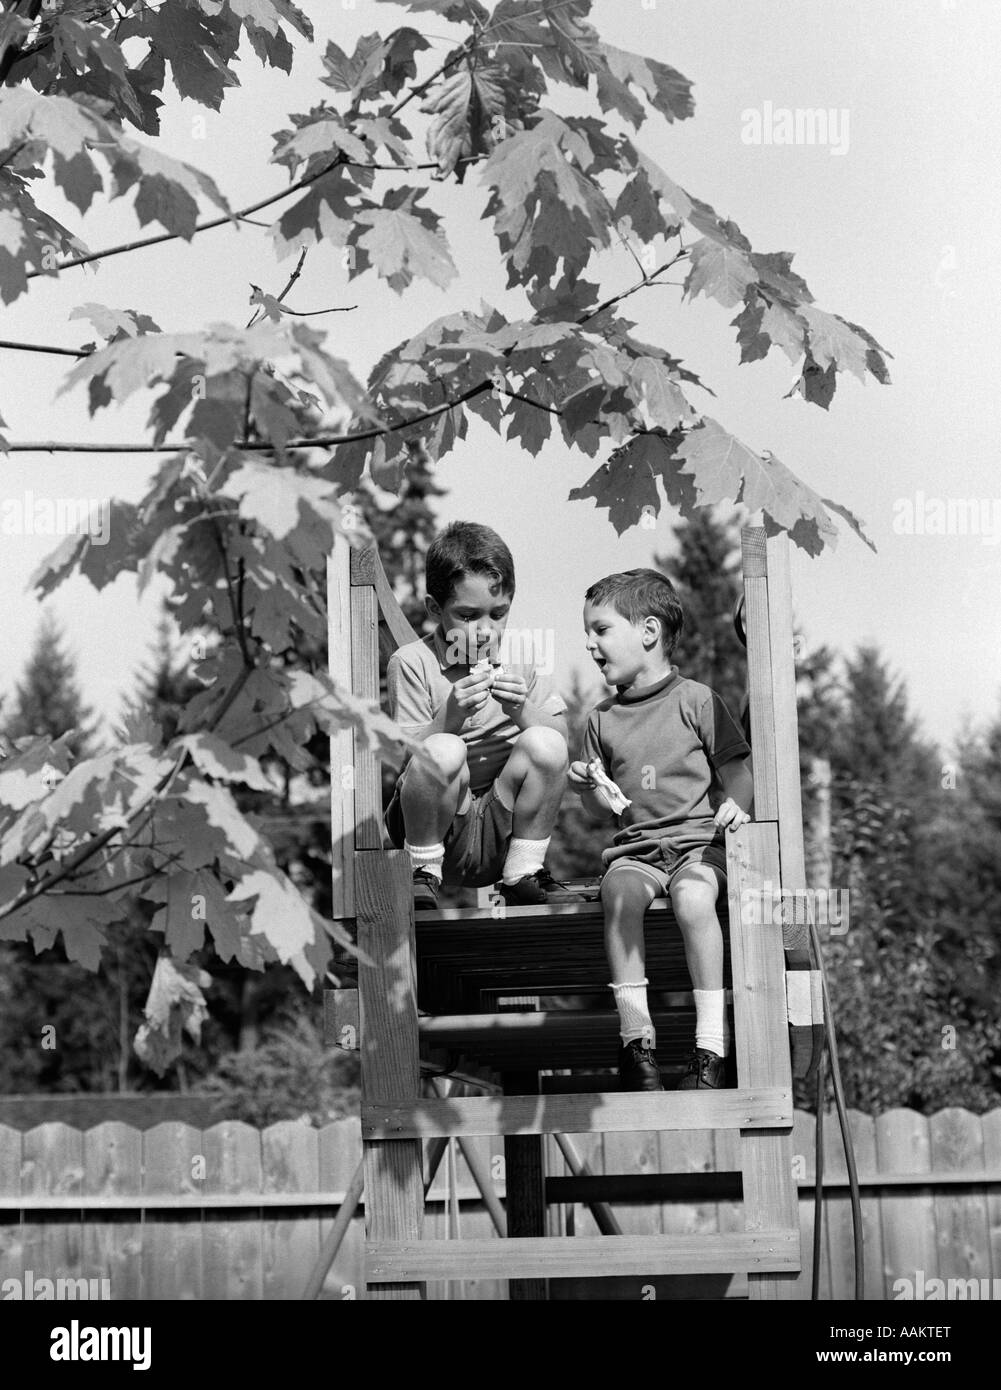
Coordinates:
[608,789]
[486,667]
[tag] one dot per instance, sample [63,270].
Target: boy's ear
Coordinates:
[433,608]
[652,631]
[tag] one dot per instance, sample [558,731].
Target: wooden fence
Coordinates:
[232,1212]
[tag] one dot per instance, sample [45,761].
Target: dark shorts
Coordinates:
[475,843]
[664,873]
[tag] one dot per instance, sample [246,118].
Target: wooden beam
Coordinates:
[366,568]
[524,1176]
[762,1041]
[342,798]
[600,1113]
[390,1071]
[696,1188]
[754,559]
[787,769]
[365,683]
[341,1019]
[570,1256]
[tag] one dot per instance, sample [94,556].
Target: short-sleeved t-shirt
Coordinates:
[663,746]
[419,680]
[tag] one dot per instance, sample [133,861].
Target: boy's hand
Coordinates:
[579,777]
[511,691]
[471,694]
[730,816]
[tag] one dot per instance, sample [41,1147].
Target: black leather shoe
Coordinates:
[638,1069]
[535,890]
[426,890]
[705,1071]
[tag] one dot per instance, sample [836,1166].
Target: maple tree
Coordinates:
[242,514]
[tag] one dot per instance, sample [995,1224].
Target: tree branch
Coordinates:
[331,441]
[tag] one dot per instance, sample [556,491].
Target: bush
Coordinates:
[291,1075]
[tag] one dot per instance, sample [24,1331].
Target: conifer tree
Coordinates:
[47,700]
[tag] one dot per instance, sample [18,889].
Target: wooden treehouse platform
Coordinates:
[474,1023]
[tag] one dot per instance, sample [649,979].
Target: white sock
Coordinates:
[427,857]
[524,857]
[709,1020]
[634,1014]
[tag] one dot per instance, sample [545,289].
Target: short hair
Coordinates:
[639,594]
[465,547]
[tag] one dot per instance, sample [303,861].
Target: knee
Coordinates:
[447,754]
[622,890]
[694,899]
[545,748]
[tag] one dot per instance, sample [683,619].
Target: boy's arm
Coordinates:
[409,701]
[580,780]
[738,791]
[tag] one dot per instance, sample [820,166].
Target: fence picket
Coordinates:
[52,1164]
[961,1220]
[232,1255]
[173,1157]
[290,1159]
[12,1232]
[113,1241]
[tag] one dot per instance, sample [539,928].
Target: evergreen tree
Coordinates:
[706,571]
[912,1029]
[48,701]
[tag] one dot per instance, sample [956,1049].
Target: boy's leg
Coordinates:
[626,893]
[532,784]
[694,893]
[430,803]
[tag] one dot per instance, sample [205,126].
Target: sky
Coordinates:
[893,224]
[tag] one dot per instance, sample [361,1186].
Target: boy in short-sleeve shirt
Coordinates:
[481,804]
[676,755]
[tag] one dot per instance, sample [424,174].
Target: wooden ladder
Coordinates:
[434,989]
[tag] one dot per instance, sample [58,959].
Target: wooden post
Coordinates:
[761,1039]
[342,797]
[774,722]
[390,1070]
[525,1178]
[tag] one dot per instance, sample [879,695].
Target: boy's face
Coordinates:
[621,650]
[473,619]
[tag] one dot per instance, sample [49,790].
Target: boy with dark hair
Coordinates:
[483,804]
[681,763]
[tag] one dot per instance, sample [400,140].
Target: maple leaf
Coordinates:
[215,758]
[466,107]
[80,919]
[638,206]
[835,343]
[197,43]
[175,1005]
[665,89]
[403,242]
[718,270]
[324,213]
[457,11]
[321,137]
[280,914]
[627,483]
[661,397]
[114,324]
[724,469]
[29,239]
[272,497]
[544,207]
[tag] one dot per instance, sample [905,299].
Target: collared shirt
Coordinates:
[419,680]
[663,746]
